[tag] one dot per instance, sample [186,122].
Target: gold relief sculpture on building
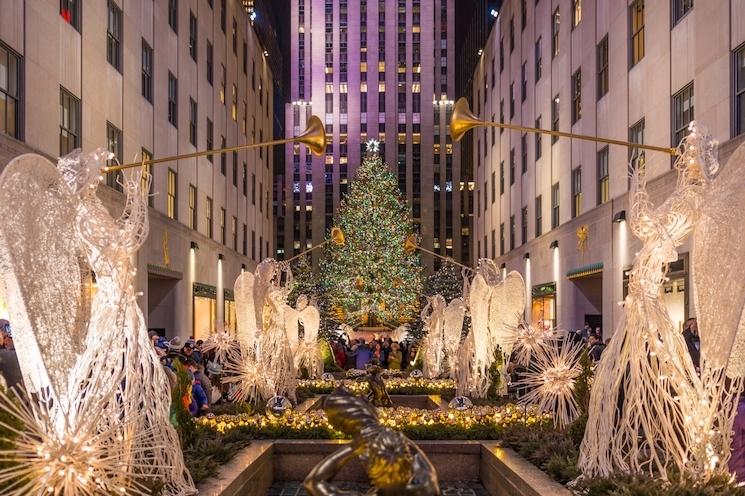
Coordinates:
[165,249]
[583,238]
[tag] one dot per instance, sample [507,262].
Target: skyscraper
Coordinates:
[372,70]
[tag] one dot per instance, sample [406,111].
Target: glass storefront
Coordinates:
[543,305]
[205,310]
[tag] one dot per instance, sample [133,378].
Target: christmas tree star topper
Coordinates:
[373,146]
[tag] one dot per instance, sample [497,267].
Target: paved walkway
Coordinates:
[465,488]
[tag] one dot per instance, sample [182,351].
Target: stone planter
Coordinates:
[502,471]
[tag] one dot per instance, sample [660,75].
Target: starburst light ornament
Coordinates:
[529,339]
[373,146]
[222,343]
[551,379]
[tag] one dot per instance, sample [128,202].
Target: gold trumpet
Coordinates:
[314,137]
[463,120]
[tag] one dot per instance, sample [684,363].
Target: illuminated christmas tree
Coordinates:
[371,279]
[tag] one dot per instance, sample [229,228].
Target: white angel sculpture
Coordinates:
[309,351]
[646,392]
[110,396]
[432,352]
[455,313]
[496,307]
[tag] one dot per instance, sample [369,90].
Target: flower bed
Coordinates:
[481,422]
[396,385]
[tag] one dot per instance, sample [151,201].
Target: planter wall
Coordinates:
[502,471]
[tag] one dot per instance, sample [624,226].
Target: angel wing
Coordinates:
[310,317]
[718,272]
[479,300]
[245,309]
[506,309]
[401,333]
[454,315]
[292,327]
[43,272]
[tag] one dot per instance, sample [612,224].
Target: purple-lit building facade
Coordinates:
[372,69]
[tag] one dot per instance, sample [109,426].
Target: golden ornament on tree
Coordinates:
[337,236]
[410,244]
[359,283]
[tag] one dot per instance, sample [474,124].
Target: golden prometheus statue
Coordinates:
[395,465]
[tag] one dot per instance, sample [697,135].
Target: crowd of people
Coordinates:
[202,368]
[357,353]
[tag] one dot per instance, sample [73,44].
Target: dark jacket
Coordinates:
[693,342]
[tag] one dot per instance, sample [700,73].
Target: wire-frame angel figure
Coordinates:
[649,409]
[115,365]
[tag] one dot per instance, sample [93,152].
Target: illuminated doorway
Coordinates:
[543,305]
[205,310]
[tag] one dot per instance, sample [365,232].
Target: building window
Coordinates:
[223,157]
[555,118]
[603,177]
[524,153]
[555,206]
[173,15]
[234,231]
[253,189]
[223,13]
[69,122]
[681,9]
[493,244]
[603,75]
[209,63]
[192,206]
[524,81]
[235,37]
[512,34]
[538,139]
[555,25]
[235,169]
[192,122]
[147,71]
[234,103]
[253,244]
[222,225]
[636,11]
[223,77]
[512,166]
[538,215]
[538,60]
[208,213]
[70,12]
[576,13]
[193,38]
[501,239]
[209,131]
[524,225]
[576,191]
[512,99]
[682,113]
[501,177]
[493,187]
[172,100]
[114,36]
[739,90]
[512,232]
[244,179]
[171,193]
[10,91]
[114,143]
[576,96]
[523,14]
[147,173]
[636,155]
